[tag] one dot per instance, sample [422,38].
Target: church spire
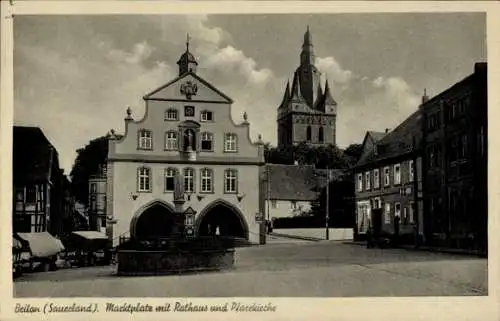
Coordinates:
[286,95]
[295,94]
[328,96]
[307,55]
[187,62]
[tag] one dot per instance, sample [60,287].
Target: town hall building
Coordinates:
[187,129]
[307,113]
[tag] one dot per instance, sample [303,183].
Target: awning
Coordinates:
[90,240]
[16,244]
[91,235]
[42,244]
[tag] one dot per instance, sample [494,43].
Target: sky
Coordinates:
[74,76]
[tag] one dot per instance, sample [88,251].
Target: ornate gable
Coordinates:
[189,87]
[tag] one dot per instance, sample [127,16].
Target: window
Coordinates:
[188,180]
[93,188]
[144,180]
[31,194]
[207,141]
[170,179]
[397,174]
[431,159]
[387,213]
[171,140]
[103,221]
[397,209]
[188,111]
[405,219]
[145,139]
[376,178]
[360,182]
[274,204]
[362,218]
[410,171]
[387,178]
[481,141]
[411,218]
[230,181]
[464,146]
[293,205]
[308,133]
[206,180]
[207,116]
[171,114]
[367,181]
[320,135]
[453,148]
[230,142]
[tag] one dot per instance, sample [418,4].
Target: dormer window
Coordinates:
[171,114]
[207,115]
[145,139]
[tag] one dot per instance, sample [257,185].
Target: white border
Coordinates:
[418,308]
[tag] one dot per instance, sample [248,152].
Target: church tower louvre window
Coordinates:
[305,104]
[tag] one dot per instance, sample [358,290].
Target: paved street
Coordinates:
[327,269]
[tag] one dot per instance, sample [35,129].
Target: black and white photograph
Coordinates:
[210,155]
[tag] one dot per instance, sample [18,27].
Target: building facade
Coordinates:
[388,182]
[307,113]
[187,129]
[455,163]
[41,202]
[97,200]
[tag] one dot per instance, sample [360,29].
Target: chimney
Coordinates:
[386,130]
[425,98]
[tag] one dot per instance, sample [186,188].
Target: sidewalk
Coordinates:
[429,249]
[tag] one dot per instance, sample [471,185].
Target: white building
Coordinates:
[187,128]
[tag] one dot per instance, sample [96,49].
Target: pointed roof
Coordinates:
[397,142]
[307,37]
[187,56]
[296,94]
[286,95]
[328,96]
[33,155]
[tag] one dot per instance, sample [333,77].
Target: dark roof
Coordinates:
[397,142]
[377,135]
[33,155]
[374,137]
[295,182]
[480,71]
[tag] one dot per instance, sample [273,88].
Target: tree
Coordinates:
[88,162]
[304,154]
[353,153]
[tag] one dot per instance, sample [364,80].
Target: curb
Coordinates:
[305,238]
[429,249]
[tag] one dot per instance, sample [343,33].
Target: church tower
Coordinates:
[307,113]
